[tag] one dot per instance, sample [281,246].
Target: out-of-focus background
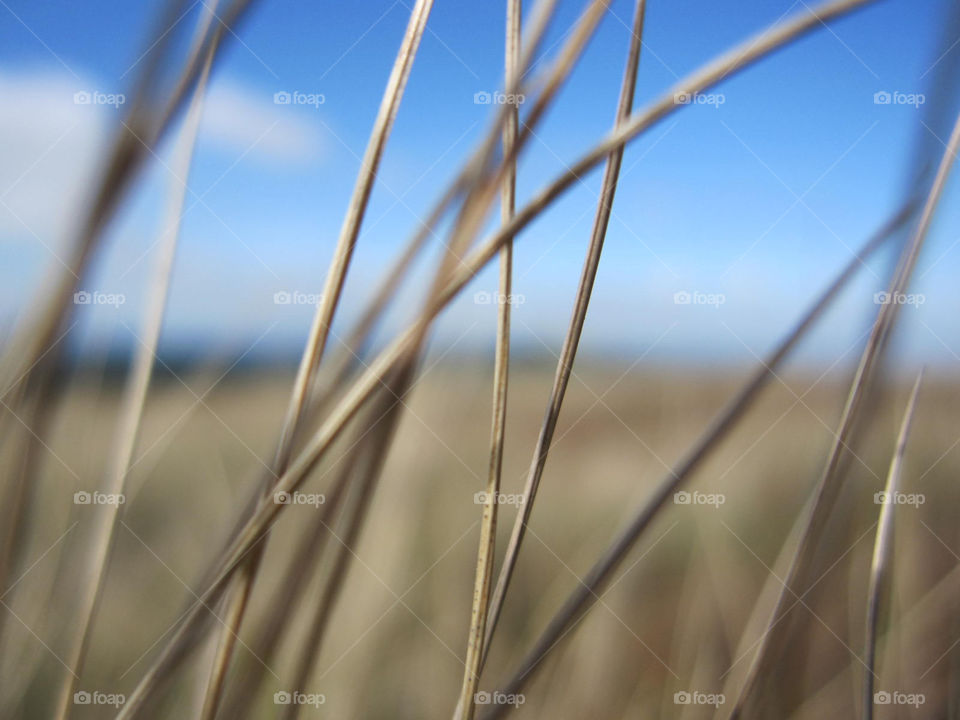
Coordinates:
[731,215]
[758,194]
[674,621]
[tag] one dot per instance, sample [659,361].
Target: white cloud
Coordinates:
[51,146]
[238,119]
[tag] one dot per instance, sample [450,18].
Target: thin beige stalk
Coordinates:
[138,382]
[883,552]
[289,591]
[388,408]
[501,369]
[829,485]
[542,14]
[729,63]
[486,181]
[31,358]
[238,598]
[540,17]
[28,357]
[582,598]
[572,339]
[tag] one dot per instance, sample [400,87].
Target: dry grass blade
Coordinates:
[388,411]
[735,60]
[541,15]
[486,180]
[289,590]
[720,68]
[583,596]
[31,358]
[343,253]
[323,318]
[572,339]
[488,524]
[757,620]
[135,392]
[828,486]
[925,616]
[883,551]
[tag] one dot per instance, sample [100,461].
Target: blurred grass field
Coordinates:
[671,623]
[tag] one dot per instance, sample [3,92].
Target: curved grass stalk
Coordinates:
[579,601]
[730,62]
[883,552]
[767,596]
[541,15]
[289,591]
[28,356]
[371,460]
[829,485]
[138,383]
[937,603]
[572,339]
[29,362]
[583,596]
[486,180]
[488,523]
[237,600]
[360,334]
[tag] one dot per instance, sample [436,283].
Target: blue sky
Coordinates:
[760,199]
